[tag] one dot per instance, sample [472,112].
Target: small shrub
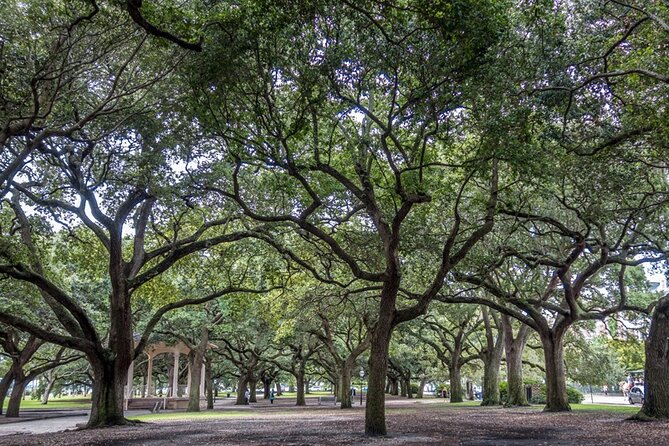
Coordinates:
[573,396]
[504,391]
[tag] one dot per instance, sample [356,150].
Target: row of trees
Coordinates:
[252,350]
[497,153]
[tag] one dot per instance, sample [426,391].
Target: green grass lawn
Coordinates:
[56,403]
[192,416]
[214,415]
[629,409]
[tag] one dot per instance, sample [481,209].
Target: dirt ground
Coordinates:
[413,423]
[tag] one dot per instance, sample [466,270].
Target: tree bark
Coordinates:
[656,392]
[492,358]
[299,379]
[345,386]
[394,387]
[209,385]
[408,384]
[194,385]
[109,379]
[421,387]
[15,398]
[556,385]
[456,380]
[5,384]
[253,385]
[197,359]
[241,390]
[266,387]
[514,362]
[375,415]
[491,396]
[51,381]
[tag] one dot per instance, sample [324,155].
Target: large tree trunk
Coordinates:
[253,386]
[407,383]
[15,398]
[421,387]
[197,359]
[491,395]
[110,365]
[299,378]
[556,385]
[241,390]
[456,380]
[107,401]
[51,381]
[209,385]
[194,385]
[656,402]
[394,387]
[514,362]
[375,413]
[266,387]
[5,384]
[492,359]
[345,386]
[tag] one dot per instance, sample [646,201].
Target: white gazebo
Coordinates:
[149,399]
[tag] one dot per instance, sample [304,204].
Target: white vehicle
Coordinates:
[636,395]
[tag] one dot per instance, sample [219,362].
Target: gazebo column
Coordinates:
[149,375]
[131,372]
[188,382]
[175,375]
[202,382]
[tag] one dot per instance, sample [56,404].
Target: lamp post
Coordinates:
[362,375]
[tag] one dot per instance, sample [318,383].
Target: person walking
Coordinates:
[247,396]
[271,397]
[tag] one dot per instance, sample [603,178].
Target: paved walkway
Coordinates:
[54,423]
[598,398]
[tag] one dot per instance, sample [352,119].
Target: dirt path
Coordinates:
[408,424]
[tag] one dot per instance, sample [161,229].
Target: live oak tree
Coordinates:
[295,353]
[611,89]
[451,334]
[245,339]
[581,248]
[657,360]
[29,358]
[491,355]
[107,188]
[342,325]
[409,361]
[193,329]
[346,141]
[65,68]
[514,345]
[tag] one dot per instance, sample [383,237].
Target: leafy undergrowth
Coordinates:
[409,423]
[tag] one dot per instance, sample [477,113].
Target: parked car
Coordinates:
[635,395]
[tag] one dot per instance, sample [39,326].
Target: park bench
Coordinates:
[327,399]
[157,406]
